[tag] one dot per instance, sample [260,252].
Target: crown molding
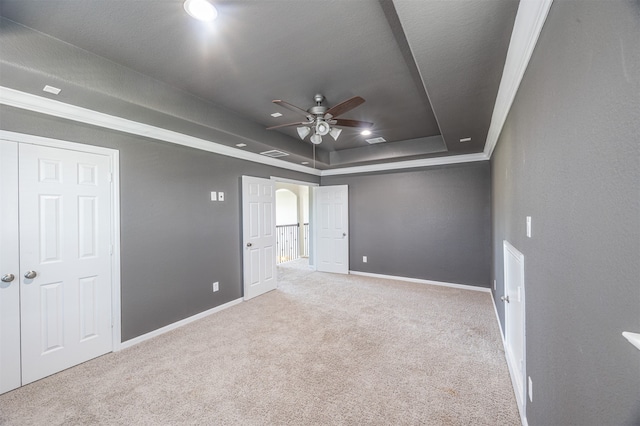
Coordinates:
[530,19]
[28,101]
[527,27]
[39,104]
[411,164]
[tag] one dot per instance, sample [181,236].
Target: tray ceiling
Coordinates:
[428,70]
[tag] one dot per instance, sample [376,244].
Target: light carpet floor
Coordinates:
[323,349]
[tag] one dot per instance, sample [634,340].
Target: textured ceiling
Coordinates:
[428,70]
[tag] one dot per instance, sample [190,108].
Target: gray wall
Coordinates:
[432,223]
[174,242]
[569,157]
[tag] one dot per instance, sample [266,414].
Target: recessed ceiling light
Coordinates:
[202,10]
[365,132]
[465,140]
[305,162]
[276,115]
[51,89]
[241,145]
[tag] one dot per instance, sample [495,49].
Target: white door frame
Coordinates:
[293,181]
[114,156]
[521,394]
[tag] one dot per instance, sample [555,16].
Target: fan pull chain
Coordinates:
[314,156]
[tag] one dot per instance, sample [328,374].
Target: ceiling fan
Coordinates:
[320,119]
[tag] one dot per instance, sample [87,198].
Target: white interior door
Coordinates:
[515,319]
[65,244]
[259,236]
[9,269]
[332,225]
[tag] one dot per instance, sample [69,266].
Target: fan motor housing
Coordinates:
[318,110]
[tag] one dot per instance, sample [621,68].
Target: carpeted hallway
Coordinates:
[322,349]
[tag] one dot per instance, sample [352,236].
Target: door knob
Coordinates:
[344,234]
[7,278]
[249,244]
[31,275]
[504,298]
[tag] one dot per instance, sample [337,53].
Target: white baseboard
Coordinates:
[495,309]
[175,325]
[419,281]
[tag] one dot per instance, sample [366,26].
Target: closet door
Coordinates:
[9,269]
[65,273]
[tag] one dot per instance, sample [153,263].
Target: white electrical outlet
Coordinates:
[530,389]
[216,286]
[364,259]
[220,196]
[529,226]
[214,195]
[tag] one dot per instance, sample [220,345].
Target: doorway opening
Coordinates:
[292,223]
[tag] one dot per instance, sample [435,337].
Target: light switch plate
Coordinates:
[214,195]
[220,196]
[529,226]
[364,259]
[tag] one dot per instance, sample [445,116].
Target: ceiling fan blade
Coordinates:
[298,123]
[291,107]
[353,123]
[343,107]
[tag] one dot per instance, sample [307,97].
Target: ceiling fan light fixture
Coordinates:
[303,132]
[320,119]
[322,128]
[201,10]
